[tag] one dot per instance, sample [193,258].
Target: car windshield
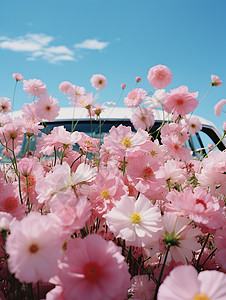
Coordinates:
[198,143]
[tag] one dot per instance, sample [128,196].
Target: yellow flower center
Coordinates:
[135,218]
[30,121]
[105,194]
[201,297]
[88,144]
[126,142]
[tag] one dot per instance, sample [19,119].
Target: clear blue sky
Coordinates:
[70,40]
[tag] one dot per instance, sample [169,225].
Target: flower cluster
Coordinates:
[129,216]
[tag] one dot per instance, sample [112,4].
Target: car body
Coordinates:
[114,116]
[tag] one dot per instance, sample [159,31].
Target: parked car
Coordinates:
[115,116]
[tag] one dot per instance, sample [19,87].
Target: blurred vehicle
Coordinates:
[115,116]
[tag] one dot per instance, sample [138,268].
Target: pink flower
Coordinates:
[224,126]
[34,87]
[181,236]
[64,87]
[179,101]
[157,98]
[34,248]
[122,141]
[29,112]
[142,288]
[47,108]
[123,86]
[138,79]
[219,106]
[215,80]
[136,221]
[143,118]
[88,144]
[184,283]
[141,172]
[74,92]
[135,97]
[194,125]
[93,269]
[5,105]
[160,76]
[198,205]
[17,76]
[98,81]
[106,191]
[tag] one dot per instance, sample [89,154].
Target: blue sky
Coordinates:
[70,40]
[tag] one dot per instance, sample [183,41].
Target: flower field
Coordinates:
[131,215]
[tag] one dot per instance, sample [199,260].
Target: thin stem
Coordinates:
[161,273]
[202,98]
[14,93]
[201,252]
[72,129]
[216,144]
[91,125]
[100,128]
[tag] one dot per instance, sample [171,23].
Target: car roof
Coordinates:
[110,113]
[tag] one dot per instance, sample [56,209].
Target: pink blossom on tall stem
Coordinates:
[184,282]
[215,80]
[64,87]
[219,106]
[93,269]
[180,102]
[34,87]
[138,79]
[5,105]
[123,86]
[160,76]
[47,108]
[75,92]
[17,76]
[98,81]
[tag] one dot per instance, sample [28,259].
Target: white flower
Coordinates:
[136,221]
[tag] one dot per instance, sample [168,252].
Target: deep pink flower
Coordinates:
[219,106]
[184,283]
[123,86]
[138,79]
[98,81]
[93,269]
[215,80]
[180,102]
[160,76]
[17,76]
[34,87]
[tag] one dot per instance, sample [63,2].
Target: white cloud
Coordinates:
[36,46]
[92,44]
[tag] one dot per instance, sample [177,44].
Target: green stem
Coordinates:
[28,146]
[14,93]
[100,128]
[216,144]
[91,124]
[163,122]
[202,99]
[200,254]
[124,166]
[161,273]
[72,129]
